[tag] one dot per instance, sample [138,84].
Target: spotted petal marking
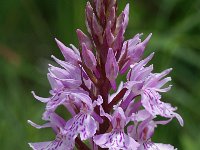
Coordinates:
[60,143]
[116,140]
[84,125]
[151,102]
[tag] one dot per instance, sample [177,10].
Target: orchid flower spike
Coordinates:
[105,115]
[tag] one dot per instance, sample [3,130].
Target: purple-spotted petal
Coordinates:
[118,119]
[115,141]
[60,143]
[89,129]
[82,124]
[151,102]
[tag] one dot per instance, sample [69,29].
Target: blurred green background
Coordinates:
[27,32]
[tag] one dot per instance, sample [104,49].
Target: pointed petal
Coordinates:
[179,118]
[138,72]
[126,17]
[68,53]
[43,100]
[139,49]
[54,84]
[111,67]
[112,16]
[89,58]
[47,125]
[60,143]
[69,67]
[109,35]
[83,38]
[58,73]
[98,30]
[71,83]
[118,42]
[84,98]
[39,145]
[89,12]
[75,49]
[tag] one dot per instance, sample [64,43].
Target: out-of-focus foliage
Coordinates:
[27,31]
